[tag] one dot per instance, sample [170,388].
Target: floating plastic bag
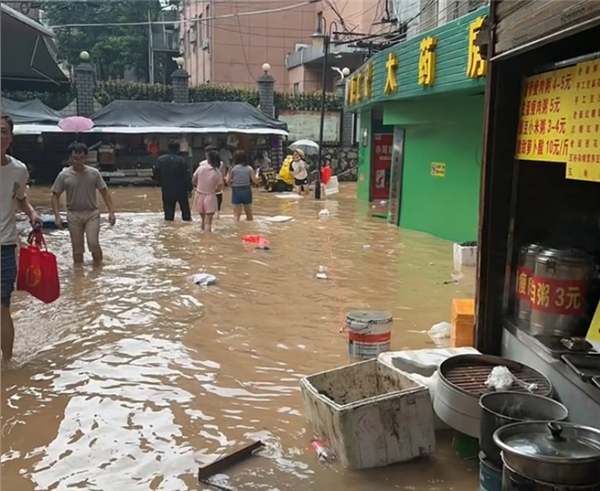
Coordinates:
[442,330]
[324,212]
[203,279]
[38,270]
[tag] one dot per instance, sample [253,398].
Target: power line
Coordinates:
[224,16]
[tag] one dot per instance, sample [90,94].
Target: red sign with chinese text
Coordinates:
[381,166]
[562,297]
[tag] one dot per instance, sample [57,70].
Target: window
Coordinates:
[320,21]
[296,87]
[199,28]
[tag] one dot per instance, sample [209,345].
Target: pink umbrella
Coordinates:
[76,124]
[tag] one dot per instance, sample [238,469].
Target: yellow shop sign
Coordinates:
[360,85]
[390,82]
[476,65]
[427,61]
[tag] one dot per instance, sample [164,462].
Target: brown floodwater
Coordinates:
[136,376]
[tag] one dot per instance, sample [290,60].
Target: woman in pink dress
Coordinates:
[208,181]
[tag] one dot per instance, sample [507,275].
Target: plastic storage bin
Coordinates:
[369,414]
[463,322]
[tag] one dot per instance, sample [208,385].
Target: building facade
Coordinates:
[227,42]
[420,106]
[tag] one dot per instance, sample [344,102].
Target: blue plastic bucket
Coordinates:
[490,476]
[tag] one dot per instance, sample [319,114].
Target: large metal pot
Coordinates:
[560,282]
[524,281]
[499,409]
[557,453]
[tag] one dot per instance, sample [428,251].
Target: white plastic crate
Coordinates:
[369,414]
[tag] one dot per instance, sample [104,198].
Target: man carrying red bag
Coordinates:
[13,180]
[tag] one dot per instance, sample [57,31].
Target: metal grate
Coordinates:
[472,378]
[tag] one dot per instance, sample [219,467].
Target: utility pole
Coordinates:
[150,50]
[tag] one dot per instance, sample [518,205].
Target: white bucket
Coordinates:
[332,187]
[369,333]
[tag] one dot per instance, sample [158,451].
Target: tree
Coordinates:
[113,48]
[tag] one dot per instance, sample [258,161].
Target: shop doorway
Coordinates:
[395,188]
[381,167]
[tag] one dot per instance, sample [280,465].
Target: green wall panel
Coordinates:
[451,64]
[446,207]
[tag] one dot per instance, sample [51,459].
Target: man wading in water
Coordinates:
[13,179]
[175,179]
[83,216]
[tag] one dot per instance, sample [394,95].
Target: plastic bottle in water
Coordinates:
[318,447]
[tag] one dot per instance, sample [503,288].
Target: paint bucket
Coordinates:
[369,333]
[490,476]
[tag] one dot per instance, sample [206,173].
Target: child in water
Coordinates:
[208,181]
[299,171]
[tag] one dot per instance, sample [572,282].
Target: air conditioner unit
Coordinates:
[206,44]
[192,36]
[300,46]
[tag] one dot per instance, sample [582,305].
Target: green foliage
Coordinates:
[113,90]
[58,100]
[307,101]
[125,90]
[212,92]
[113,48]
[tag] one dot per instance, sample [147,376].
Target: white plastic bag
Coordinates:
[441,330]
[203,279]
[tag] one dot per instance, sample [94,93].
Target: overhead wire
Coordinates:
[243,44]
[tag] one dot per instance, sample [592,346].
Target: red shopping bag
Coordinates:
[325,175]
[38,270]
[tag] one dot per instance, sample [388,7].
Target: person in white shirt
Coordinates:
[226,157]
[222,169]
[13,180]
[300,172]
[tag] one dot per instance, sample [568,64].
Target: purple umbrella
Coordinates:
[76,124]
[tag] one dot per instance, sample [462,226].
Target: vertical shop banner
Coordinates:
[382,166]
[560,120]
[545,110]
[584,155]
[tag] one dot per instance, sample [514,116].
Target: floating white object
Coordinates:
[442,330]
[324,212]
[203,279]
[332,187]
[371,415]
[321,276]
[289,196]
[279,219]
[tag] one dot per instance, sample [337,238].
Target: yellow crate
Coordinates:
[463,322]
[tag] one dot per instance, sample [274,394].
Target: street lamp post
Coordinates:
[326,34]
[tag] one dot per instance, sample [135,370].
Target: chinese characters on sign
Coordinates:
[524,283]
[476,65]
[427,61]
[584,155]
[543,127]
[438,170]
[390,82]
[382,165]
[560,297]
[360,85]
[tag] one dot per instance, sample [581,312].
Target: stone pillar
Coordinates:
[181,86]
[266,94]
[85,81]
[346,117]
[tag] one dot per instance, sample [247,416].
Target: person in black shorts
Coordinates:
[299,170]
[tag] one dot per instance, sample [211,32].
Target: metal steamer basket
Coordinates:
[560,282]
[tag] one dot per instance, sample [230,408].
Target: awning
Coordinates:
[28,62]
[33,112]
[139,117]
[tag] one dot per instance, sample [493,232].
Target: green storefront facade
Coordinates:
[425,96]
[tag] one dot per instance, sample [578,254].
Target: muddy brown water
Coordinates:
[135,377]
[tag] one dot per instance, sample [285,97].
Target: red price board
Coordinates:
[561,297]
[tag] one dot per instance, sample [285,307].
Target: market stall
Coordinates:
[539,241]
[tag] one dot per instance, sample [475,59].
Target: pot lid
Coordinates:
[550,441]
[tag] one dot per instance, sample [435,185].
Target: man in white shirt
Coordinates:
[13,181]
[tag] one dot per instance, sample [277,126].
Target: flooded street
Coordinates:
[136,376]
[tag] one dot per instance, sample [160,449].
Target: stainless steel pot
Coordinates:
[524,281]
[557,453]
[560,282]
[499,409]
